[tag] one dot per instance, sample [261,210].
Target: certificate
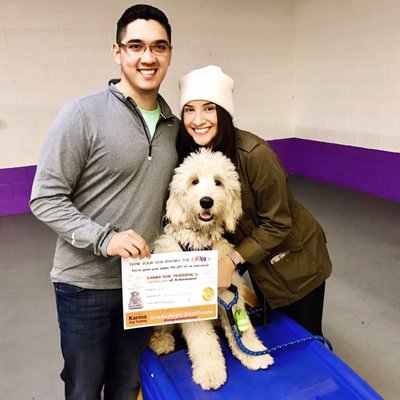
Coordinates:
[170,288]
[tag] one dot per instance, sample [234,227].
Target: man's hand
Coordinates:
[128,244]
[225,271]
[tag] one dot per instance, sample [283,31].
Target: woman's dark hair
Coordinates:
[224,141]
[142,11]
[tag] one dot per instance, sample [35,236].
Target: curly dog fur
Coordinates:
[204,203]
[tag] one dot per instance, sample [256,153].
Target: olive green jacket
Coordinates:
[282,241]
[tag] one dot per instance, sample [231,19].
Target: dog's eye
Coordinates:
[217,182]
[195,182]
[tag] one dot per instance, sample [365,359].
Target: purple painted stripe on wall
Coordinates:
[369,171]
[364,170]
[15,189]
[285,150]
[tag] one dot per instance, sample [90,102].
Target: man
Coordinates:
[101,184]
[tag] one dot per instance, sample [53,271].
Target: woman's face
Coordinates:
[201,121]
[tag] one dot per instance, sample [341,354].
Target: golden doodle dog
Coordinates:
[204,203]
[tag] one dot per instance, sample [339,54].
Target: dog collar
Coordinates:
[186,247]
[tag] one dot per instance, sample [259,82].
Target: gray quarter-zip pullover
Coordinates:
[99,172]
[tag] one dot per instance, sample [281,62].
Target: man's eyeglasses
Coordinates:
[138,48]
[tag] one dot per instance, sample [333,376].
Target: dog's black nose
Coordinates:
[206,202]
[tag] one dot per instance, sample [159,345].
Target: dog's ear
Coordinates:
[174,210]
[235,210]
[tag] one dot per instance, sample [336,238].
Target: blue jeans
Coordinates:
[98,353]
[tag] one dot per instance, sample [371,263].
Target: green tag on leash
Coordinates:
[242,321]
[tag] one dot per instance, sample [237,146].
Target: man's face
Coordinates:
[142,73]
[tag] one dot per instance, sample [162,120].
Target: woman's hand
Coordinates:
[225,271]
[128,244]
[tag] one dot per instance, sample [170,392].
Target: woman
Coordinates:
[282,243]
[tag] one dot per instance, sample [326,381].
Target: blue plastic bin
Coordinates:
[304,371]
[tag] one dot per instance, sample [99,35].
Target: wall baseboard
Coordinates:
[368,171]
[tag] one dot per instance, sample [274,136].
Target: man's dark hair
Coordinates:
[224,141]
[142,11]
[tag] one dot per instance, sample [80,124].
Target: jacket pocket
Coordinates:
[296,269]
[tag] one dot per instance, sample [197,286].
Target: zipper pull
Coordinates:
[149,155]
[279,257]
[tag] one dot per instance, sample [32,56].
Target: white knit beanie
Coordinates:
[207,83]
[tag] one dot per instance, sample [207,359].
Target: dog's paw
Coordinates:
[251,341]
[211,376]
[256,362]
[162,343]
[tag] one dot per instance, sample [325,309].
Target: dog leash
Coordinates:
[240,323]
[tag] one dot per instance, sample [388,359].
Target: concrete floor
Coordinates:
[361,317]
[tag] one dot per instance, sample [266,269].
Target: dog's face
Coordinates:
[205,192]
